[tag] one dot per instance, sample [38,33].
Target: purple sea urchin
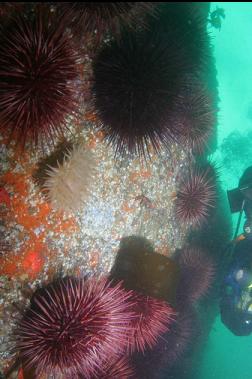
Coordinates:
[135,81]
[73,326]
[195,197]
[38,72]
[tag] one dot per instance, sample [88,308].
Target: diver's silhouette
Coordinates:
[236,299]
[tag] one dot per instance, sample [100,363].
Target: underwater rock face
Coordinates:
[143,270]
[133,194]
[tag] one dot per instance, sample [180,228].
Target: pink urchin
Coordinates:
[38,75]
[154,317]
[195,197]
[73,326]
[197,274]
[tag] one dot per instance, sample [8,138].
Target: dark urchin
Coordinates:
[97,18]
[73,326]
[38,73]
[194,117]
[195,197]
[170,349]
[8,8]
[197,274]
[185,24]
[135,81]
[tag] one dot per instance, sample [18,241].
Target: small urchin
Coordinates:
[153,318]
[67,185]
[196,196]
[38,78]
[197,274]
[72,326]
[135,81]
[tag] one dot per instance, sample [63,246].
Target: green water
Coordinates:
[227,356]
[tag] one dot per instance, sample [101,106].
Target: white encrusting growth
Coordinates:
[68,185]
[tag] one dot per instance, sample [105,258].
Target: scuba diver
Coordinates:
[236,299]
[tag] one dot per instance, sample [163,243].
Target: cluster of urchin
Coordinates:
[146,86]
[91,327]
[86,327]
[140,94]
[140,82]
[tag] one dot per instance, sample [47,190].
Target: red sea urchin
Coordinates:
[154,318]
[38,74]
[195,197]
[197,274]
[73,326]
